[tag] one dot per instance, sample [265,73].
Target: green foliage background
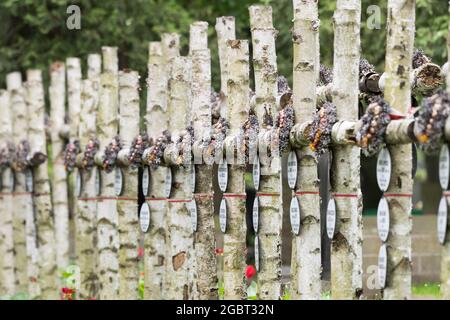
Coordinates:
[34,33]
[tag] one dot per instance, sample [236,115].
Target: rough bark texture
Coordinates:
[225,29]
[107,220]
[86,206]
[346,247]
[57,92]
[204,262]
[270,205]
[237,53]
[179,236]
[306,254]
[21,198]
[156,121]
[445,252]
[7,276]
[399,50]
[127,205]
[48,276]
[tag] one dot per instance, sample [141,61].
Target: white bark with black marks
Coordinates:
[127,205]
[346,246]
[270,202]
[57,93]
[237,55]
[86,206]
[7,277]
[204,268]
[22,199]
[179,233]
[445,252]
[306,246]
[399,52]
[107,219]
[43,214]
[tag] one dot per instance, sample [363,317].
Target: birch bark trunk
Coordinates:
[399,51]
[74,76]
[445,251]
[107,219]
[237,52]
[57,92]
[42,198]
[226,30]
[269,195]
[156,122]
[21,198]
[179,240]
[306,246]
[7,277]
[160,54]
[346,246]
[86,209]
[204,268]
[127,205]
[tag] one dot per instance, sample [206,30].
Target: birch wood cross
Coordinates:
[86,205]
[58,135]
[7,275]
[156,122]
[21,197]
[43,235]
[204,269]
[107,218]
[268,196]
[306,246]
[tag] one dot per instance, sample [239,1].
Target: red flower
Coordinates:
[250,271]
[140,252]
[68,291]
[219,251]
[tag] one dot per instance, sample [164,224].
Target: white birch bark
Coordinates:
[21,198]
[306,247]
[445,251]
[204,267]
[237,53]
[226,30]
[7,277]
[156,122]
[86,206]
[269,195]
[179,236]
[57,92]
[127,205]
[346,247]
[399,51]
[107,220]
[42,198]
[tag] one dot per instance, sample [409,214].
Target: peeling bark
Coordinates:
[346,247]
